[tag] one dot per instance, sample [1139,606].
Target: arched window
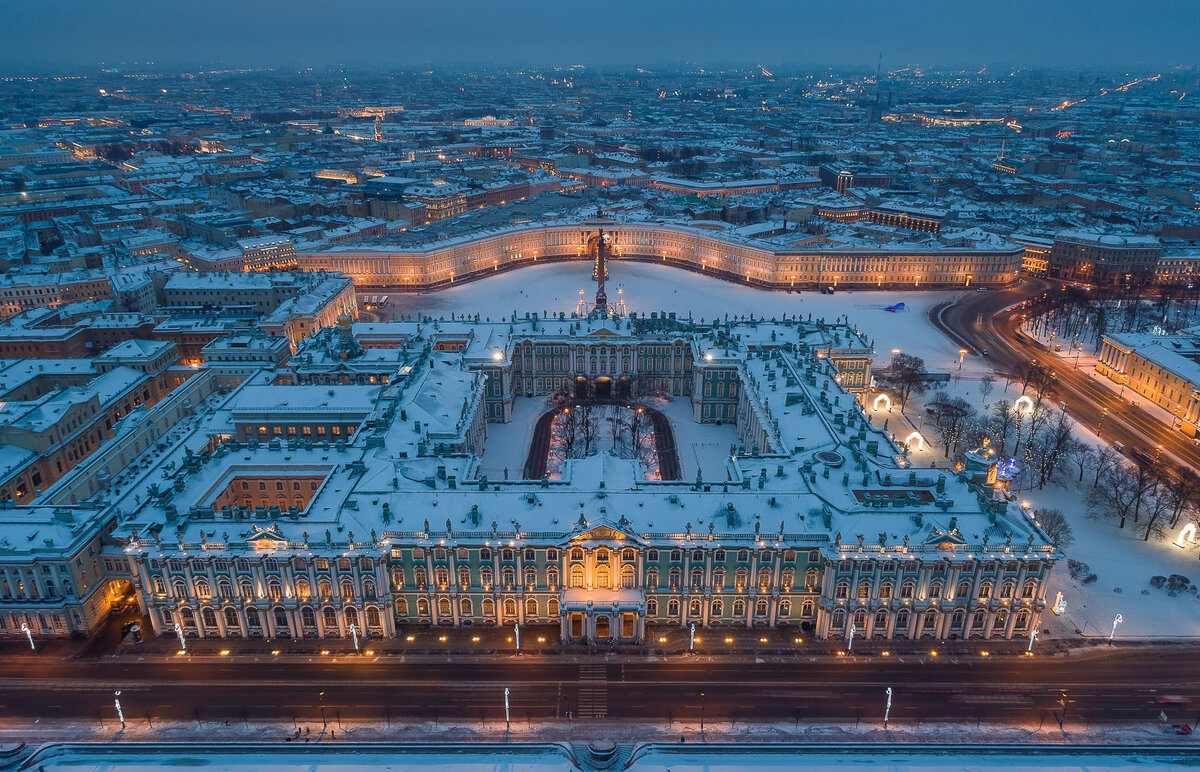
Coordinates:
[577,554]
[838,621]
[808,608]
[629,555]
[672,608]
[1006,589]
[552,577]
[673,578]
[964,589]
[464,578]
[324,589]
[908,588]
[351,618]
[810,579]
[694,608]
[652,608]
[985,589]
[764,580]
[977,619]
[508,575]
[718,578]
[307,617]
[739,608]
[935,588]
[739,580]
[281,619]
[697,578]
[464,607]
[552,607]
[957,618]
[224,589]
[179,588]
[209,616]
[252,619]
[603,578]
[485,577]
[329,619]
[274,590]
[441,575]
[373,619]
[902,622]
[531,609]
[760,608]
[577,576]
[422,607]
[789,577]
[444,607]
[531,577]
[231,619]
[628,577]
[652,578]
[1000,622]
[160,587]
[402,607]
[842,590]
[246,590]
[510,608]
[347,589]
[881,620]
[419,577]
[398,579]
[1029,590]
[489,607]
[716,609]
[369,589]
[1022,620]
[885,589]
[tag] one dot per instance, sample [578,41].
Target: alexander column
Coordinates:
[600,273]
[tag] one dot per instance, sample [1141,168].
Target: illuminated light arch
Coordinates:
[1187,533]
[885,399]
[1024,399]
[920,445]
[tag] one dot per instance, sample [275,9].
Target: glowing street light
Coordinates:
[1116,621]
[1032,637]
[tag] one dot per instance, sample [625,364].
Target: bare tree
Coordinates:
[1106,458]
[1081,454]
[1181,491]
[907,376]
[1113,494]
[1001,419]
[589,427]
[986,384]
[1055,524]
[951,416]
[1051,444]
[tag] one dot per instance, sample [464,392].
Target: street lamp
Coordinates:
[321,704]
[692,642]
[117,703]
[354,635]
[506,721]
[1116,621]
[701,713]
[1032,637]
[28,634]
[962,352]
[179,632]
[887,709]
[850,644]
[517,636]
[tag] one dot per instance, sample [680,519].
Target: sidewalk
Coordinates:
[542,642]
[287,734]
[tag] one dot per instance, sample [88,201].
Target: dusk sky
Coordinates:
[1088,33]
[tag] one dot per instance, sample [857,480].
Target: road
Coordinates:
[1125,685]
[980,320]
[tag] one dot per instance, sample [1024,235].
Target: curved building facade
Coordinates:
[761,264]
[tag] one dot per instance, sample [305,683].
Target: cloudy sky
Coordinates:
[1086,33]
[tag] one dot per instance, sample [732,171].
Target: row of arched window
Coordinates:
[466,608]
[274,589]
[716,608]
[254,619]
[960,623]
[937,589]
